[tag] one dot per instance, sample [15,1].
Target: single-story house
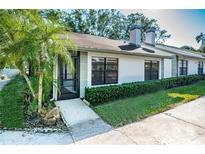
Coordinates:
[101,61]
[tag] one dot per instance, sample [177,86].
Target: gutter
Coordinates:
[120,52]
[180,54]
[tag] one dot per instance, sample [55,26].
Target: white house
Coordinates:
[101,61]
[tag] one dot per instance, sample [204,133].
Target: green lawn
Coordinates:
[124,111]
[11,104]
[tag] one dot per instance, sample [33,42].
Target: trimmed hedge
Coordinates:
[101,95]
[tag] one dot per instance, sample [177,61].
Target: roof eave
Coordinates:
[121,52]
[180,54]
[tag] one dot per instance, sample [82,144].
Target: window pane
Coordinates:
[180,71]
[200,68]
[184,62]
[98,64]
[111,76]
[155,70]
[111,64]
[180,63]
[147,70]
[148,65]
[111,61]
[97,77]
[200,64]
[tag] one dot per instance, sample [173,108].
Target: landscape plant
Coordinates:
[100,95]
[30,36]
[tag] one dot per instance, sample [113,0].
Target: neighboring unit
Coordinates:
[100,61]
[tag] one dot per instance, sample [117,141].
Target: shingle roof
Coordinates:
[87,42]
[179,51]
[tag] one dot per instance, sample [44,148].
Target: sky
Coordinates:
[183,25]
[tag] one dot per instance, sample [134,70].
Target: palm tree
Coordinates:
[201,38]
[32,37]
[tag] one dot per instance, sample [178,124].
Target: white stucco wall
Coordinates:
[192,66]
[204,67]
[167,68]
[130,68]
[83,72]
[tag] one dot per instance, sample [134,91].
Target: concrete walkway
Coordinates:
[82,120]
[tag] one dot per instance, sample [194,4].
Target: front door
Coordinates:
[69,81]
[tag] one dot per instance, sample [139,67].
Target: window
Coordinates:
[104,70]
[183,67]
[151,70]
[200,68]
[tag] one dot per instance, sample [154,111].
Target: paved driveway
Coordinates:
[183,125]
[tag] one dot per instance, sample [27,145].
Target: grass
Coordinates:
[11,104]
[124,111]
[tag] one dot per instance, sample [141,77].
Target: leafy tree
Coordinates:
[201,38]
[110,23]
[31,36]
[188,48]
[162,36]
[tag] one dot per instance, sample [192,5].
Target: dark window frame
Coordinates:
[201,68]
[183,69]
[151,74]
[104,72]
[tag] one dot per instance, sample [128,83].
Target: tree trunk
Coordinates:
[41,76]
[29,85]
[30,69]
[40,91]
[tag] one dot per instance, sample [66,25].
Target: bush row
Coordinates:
[100,95]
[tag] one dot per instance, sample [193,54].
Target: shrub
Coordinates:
[11,104]
[100,95]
